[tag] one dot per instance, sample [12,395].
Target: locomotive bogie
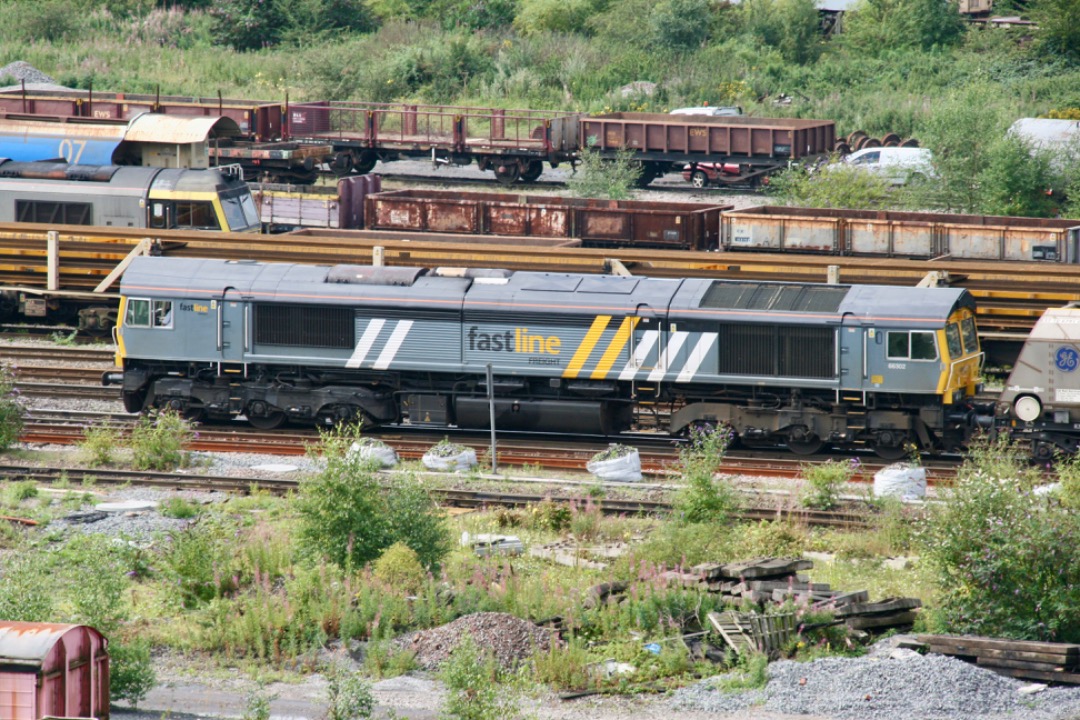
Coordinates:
[781,363]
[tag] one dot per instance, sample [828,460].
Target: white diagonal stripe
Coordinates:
[675,343]
[697,356]
[648,340]
[393,344]
[371,332]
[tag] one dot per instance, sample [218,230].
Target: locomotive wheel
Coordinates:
[699,179]
[533,171]
[811,445]
[273,421]
[890,452]
[508,173]
[1027,407]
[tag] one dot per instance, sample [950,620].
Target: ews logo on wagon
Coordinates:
[518,340]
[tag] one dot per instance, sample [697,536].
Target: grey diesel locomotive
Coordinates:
[795,365]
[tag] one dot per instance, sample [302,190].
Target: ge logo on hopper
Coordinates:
[1067,359]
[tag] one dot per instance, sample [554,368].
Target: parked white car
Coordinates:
[898,165]
[708,110]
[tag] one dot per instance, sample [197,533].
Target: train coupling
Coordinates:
[112,377]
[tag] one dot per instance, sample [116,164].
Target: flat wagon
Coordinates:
[901,234]
[598,223]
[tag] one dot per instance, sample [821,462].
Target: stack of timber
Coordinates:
[1042,661]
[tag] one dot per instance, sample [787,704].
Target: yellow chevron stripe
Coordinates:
[586,346]
[615,348]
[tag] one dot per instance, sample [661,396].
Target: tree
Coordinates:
[961,131]
[347,516]
[681,24]
[248,24]
[1059,28]
[832,186]
[566,16]
[1017,180]
[790,26]
[877,26]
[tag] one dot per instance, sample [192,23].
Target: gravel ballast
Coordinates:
[510,639]
[911,686]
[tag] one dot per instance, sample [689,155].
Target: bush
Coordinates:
[790,26]
[197,564]
[346,516]
[1007,560]
[179,508]
[564,16]
[705,499]
[472,686]
[26,591]
[131,672]
[825,481]
[880,26]
[400,568]
[349,696]
[99,444]
[11,410]
[599,177]
[832,186]
[157,442]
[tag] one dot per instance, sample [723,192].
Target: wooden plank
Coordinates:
[1064,678]
[1021,655]
[769,585]
[1019,664]
[888,605]
[1003,643]
[861,622]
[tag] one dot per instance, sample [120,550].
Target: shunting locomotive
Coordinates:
[783,364]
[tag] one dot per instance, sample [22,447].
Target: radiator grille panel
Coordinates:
[777,351]
[305,326]
[773,296]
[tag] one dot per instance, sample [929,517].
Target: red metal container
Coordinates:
[55,671]
[596,222]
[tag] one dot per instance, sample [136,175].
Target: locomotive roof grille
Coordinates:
[773,296]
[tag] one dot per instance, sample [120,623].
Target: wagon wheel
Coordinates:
[910,142]
[871,143]
[364,162]
[842,148]
[507,173]
[699,179]
[533,171]
[854,138]
[890,140]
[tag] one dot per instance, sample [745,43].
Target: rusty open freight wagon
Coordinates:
[901,234]
[598,223]
[663,143]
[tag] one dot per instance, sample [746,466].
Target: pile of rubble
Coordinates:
[510,639]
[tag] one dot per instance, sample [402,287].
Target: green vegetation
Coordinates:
[826,481]
[705,498]
[100,443]
[11,410]
[473,686]
[913,67]
[1007,559]
[157,441]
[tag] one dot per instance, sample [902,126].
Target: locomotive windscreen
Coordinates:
[774,296]
[777,351]
[305,326]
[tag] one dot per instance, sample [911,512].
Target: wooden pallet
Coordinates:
[744,632]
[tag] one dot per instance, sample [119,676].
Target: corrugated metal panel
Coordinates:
[29,641]
[774,297]
[169,129]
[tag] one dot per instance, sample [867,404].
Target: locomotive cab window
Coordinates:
[196,215]
[159,214]
[915,345]
[952,337]
[971,337]
[163,317]
[138,313]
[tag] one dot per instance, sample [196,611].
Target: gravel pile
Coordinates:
[511,639]
[907,686]
[138,525]
[22,70]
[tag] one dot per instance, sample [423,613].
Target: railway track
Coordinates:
[454,497]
